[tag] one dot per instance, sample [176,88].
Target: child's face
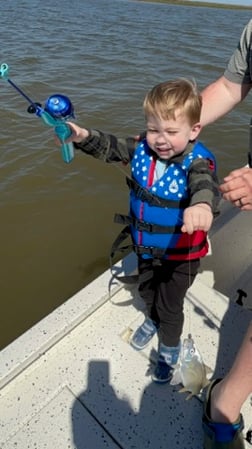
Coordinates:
[170,137]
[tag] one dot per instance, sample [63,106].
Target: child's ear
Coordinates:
[196,128]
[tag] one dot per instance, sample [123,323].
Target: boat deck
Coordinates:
[73,381]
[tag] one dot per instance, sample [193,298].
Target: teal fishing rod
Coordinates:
[58,109]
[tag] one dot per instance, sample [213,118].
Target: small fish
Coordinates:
[190,371]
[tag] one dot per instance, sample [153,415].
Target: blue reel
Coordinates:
[58,109]
[59,106]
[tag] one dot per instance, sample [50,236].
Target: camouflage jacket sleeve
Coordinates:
[203,184]
[107,147]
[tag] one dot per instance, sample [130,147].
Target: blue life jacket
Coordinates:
[156,221]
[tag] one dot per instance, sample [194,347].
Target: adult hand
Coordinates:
[197,217]
[237,188]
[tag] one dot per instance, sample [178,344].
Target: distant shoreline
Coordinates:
[193,3]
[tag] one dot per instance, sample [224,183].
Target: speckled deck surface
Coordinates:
[74,381]
[92,390]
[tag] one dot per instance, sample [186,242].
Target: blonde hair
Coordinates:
[169,97]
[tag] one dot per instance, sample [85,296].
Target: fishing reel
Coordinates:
[58,108]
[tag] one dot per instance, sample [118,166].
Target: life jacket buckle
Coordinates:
[142,226]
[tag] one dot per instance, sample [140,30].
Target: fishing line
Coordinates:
[190,305]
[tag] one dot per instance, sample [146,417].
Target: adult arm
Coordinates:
[223,95]
[229,395]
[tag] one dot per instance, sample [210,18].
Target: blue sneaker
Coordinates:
[167,358]
[144,334]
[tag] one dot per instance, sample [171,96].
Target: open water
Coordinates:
[56,223]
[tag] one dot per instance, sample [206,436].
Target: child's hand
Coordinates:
[78,134]
[197,217]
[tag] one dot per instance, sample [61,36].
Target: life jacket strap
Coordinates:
[145,195]
[159,252]
[154,252]
[129,279]
[124,234]
[144,226]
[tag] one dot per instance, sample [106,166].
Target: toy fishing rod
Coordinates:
[58,109]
